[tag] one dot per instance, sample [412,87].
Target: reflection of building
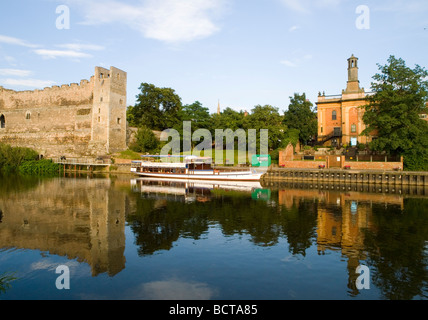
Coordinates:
[341,221]
[340,118]
[63,225]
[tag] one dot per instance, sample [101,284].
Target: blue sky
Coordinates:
[241,52]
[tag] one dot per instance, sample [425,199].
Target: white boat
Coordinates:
[194,168]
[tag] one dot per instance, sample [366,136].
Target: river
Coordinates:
[116,237]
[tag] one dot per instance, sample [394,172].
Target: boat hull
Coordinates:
[222,176]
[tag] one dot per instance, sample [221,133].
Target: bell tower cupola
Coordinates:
[353,82]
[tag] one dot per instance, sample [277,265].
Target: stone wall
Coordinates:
[63,120]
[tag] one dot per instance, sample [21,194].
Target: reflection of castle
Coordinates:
[88,226]
[341,221]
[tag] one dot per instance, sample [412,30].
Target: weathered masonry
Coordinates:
[86,119]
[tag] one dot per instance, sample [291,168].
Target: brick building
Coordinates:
[340,117]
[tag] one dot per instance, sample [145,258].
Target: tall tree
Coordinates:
[267,117]
[301,116]
[156,108]
[392,113]
[197,114]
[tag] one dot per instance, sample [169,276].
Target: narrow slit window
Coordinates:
[2,122]
[28,115]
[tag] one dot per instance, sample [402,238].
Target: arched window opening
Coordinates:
[28,115]
[2,122]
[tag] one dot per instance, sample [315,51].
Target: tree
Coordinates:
[156,108]
[146,140]
[392,113]
[267,117]
[301,116]
[197,114]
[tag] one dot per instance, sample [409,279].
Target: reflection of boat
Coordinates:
[193,190]
[195,168]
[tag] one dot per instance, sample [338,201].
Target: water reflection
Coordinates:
[86,219]
[81,219]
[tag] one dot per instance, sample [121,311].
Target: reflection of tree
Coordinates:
[5,280]
[397,249]
[299,225]
[157,225]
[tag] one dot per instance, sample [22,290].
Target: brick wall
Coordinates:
[374,165]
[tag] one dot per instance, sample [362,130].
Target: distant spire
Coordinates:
[218,107]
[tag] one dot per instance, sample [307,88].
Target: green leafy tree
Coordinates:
[197,114]
[392,113]
[228,119]
[156,108]
[301,116]
[146,140]
[267,117]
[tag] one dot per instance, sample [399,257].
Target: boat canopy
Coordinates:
[187,158]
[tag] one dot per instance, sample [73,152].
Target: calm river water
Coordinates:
[121,238]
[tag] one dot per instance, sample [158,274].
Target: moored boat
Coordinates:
[195,168]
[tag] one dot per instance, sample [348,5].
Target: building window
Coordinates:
[119,120]
[322,129]
[334,115]
[354,128]
[2,122]
[99,119]
[28,115]
[101,99]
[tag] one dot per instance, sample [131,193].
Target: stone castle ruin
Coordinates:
[76,120]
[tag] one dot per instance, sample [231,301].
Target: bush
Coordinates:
[11,158]
[146,140]
[39,167]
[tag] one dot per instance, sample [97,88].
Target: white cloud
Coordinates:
[15,72]
[33,83]
[80,46]
[16,41]
[293,28]
[307,6]
[53,54]
[295,62]
[169,21]
[288,63]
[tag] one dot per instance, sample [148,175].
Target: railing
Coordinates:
[82,161]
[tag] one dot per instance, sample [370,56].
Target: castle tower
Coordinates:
[109,110]
[353,82]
